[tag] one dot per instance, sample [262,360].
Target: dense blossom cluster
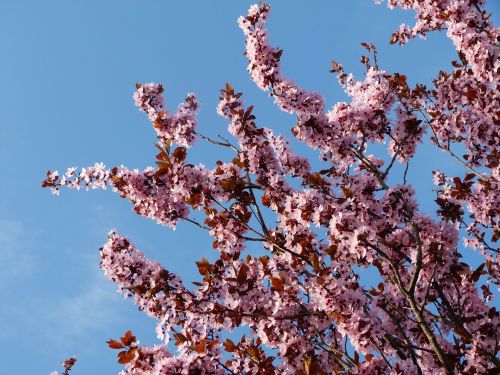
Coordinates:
[178,127]
[305,304]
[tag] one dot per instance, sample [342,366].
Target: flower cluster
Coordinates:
[178,127]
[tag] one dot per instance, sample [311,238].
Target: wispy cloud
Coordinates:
[79,316]
[16,259]
[78,312]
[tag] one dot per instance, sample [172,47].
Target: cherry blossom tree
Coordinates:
[305,304]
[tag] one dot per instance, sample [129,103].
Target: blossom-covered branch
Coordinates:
[307,304]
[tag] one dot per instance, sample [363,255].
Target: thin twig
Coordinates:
[213,141]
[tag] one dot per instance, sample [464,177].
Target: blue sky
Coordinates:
[68,71]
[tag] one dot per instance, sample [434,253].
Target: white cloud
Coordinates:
[16,259]
[80,315]
[45,313]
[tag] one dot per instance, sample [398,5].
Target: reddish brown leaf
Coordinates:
[229,346]
[127,356]
[335,67]
[203,266]
[277,283]
[179,154]
[242,274]
[128,338]
[315,262]
[179,338]
[200,347]
[311,367]
[356,358]
[113,344]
